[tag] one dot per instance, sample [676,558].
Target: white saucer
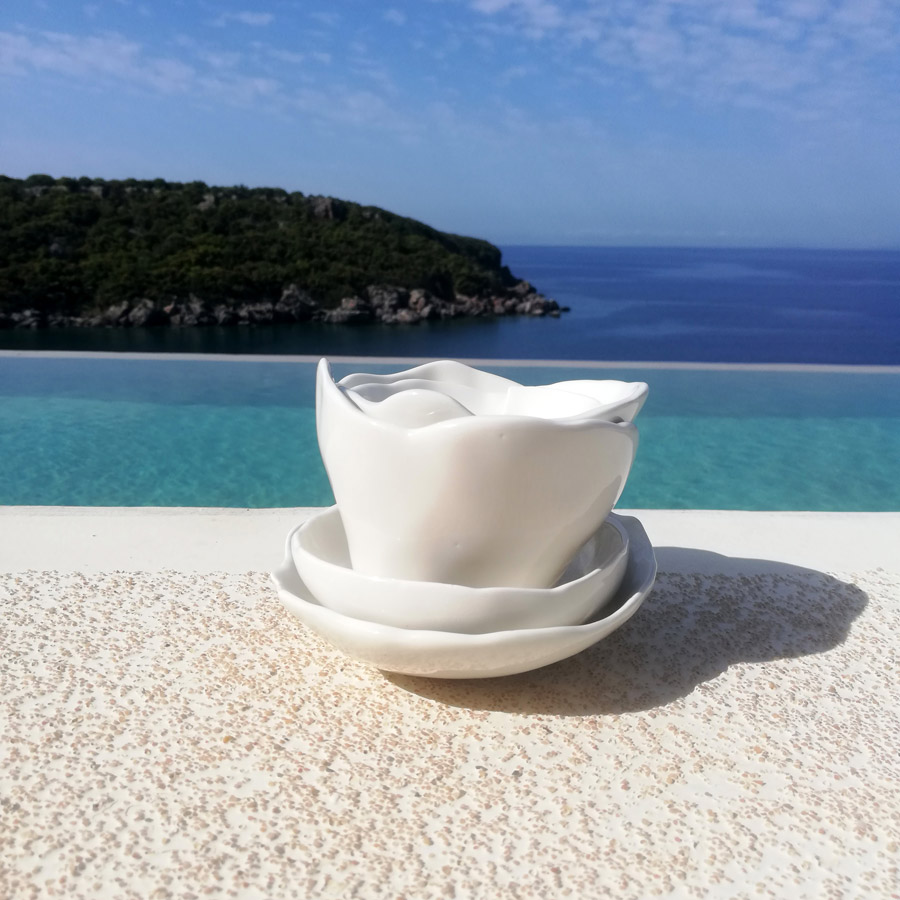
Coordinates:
[322,558]
[443,654]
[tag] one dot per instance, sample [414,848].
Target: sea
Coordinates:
[169,428]
[710,305]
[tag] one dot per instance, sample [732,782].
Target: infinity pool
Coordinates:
[82,430]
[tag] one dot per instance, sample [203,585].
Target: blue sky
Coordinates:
[684,122]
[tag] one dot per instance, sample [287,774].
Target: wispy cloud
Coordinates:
[513,73]
[394,16]
[327,19]
[344,105]
[288,56]
[114,59]
[96,56]
[220,59]
[793,57]
[240,90]
[253,19]
[536,17]
[363,99]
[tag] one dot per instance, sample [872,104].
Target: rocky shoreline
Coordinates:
[385,304]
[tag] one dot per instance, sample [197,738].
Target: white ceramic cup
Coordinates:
[444,473]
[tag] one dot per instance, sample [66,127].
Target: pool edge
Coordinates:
[199,539]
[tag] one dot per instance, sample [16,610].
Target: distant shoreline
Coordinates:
[382,304]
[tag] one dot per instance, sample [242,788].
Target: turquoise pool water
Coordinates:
[89,431]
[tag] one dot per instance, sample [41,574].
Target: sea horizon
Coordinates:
[650,245]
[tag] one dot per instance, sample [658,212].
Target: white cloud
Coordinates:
[808,10]
[118,60]
[239,90]
[535,16]
[365,99]
[491,6]
[288,56]
[513,73]
[253,19]
[109,55]
[328,19]
[801,55]
[220,59]
[394,16]
[357,108]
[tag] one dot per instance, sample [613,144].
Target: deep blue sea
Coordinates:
[630,304]
[720,305]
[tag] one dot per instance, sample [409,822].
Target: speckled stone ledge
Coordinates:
[167,735]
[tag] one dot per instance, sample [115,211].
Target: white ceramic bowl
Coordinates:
[320,553]
[444,473]
[444,654]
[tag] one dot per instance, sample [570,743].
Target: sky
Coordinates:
[607,122]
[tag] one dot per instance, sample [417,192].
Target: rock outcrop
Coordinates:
[385,304]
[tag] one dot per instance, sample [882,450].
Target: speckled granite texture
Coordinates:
[181,736]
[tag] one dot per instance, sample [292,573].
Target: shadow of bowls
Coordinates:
[706,613]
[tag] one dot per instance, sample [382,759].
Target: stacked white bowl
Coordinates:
[473,514]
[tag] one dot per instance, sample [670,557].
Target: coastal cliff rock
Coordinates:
[351,310]
[328,208]
[385,304]
[295,305]
[144,313]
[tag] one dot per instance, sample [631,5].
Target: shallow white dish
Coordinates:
[443,654]
[322,558]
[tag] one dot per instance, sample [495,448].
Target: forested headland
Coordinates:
[94,252]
